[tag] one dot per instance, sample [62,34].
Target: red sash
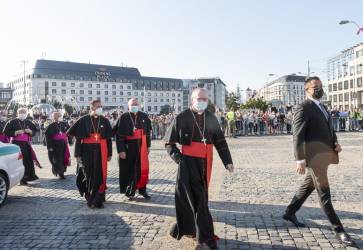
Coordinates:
[201,150]
[28,139]
[96,138]
[144,158]
[67,154]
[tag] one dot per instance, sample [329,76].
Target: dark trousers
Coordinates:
[316,178]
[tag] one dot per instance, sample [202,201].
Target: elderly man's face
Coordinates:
[96,105]
[200,96]
[133,102]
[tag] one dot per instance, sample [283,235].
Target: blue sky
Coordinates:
[240,41]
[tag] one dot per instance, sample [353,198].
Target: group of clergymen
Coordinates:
[196,129]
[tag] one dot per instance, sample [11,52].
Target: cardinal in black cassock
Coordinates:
[93,149]
[196,130]
[21,130]
[57,144]
[133,143]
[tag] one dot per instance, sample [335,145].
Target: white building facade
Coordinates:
[287,90]
[79,84]
[345,72]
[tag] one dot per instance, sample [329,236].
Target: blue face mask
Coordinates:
[134,109]
[200,106]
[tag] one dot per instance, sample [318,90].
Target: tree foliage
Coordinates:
[233,101]
[255,103]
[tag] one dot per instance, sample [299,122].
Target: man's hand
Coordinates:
[230,168]
[109,158]
[300,168]
[19,132]
[28,131]
[122,155]
[51,150]
[338,148]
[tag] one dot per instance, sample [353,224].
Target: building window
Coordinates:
[155,108]
[89,98]
[346,97]
[106,99]
[98,86]
[113,92]
[81,92]
[81,85]
[90,85]
[98,92]
[334,87]
[81,99]
[64,91]
[340,85]
[73,92]
[54,84]
[54,91]
[346,84]
[121,93]
[73,84]
[340,97]
[106,86]
[90,92]
[106,92]
[136,94]
[113,86]
[149,108]
[351,84]
[128,93]
[359,82]
[64,84]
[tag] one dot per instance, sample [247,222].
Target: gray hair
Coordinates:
[196,91]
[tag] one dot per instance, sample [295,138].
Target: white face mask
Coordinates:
[60,119]
[99,111]
[22,116]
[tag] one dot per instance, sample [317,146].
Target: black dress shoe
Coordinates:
[23,183]
[294,220]
[345,239]
[145,195]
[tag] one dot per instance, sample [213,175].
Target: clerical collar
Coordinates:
[317,102]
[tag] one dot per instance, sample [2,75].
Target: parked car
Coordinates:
[11,168]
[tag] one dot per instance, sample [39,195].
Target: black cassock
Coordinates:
[90,176]
[56,148]
[130,168]
[25,147]
[3,138]
[191,191]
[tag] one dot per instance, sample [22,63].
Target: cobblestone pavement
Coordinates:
[246,206]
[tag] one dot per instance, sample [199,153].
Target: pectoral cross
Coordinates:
[134,129]
[96,136]
[204,141]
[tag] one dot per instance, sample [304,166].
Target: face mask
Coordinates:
[134,109]
[318,93]
[200,106]
[22,116]
[60,119]
[98,111]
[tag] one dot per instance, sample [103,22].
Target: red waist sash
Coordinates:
[201,150]
[4,138]
[144,157]
[28,139]
[67,154]
[95,138]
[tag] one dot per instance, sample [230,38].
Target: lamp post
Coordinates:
[360,29]
[24,62]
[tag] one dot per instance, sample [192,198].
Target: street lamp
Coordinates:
[360,29]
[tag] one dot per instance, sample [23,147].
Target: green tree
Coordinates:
[256,103]
[69,109]
[233,101]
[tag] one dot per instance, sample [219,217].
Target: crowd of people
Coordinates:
[275,121]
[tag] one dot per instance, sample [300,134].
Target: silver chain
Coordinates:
[200,131]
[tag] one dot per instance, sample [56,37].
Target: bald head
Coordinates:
[57,116]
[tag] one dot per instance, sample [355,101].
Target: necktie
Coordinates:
[324,111]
